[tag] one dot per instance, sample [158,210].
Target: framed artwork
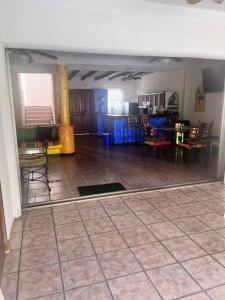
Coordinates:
[200,99]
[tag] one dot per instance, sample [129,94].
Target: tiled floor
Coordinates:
[167,244]
[134,166]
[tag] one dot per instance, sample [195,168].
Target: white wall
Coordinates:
[164,81]
[129,87]
[114,26]
[9,171]
[214,102]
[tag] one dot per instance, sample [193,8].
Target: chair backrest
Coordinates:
[208,126]
[193,133]
[44,134]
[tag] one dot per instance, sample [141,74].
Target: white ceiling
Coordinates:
[121,63]
[104,63]
[204,4]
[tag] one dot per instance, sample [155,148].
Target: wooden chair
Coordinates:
[198,140]
[156,142]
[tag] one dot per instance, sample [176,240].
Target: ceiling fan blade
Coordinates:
[193,1]
[177,58]
[48,55]
[152,60]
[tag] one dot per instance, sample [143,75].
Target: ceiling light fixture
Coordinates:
[218,1]
[197,1]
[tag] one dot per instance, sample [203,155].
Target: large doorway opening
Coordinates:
[141,122]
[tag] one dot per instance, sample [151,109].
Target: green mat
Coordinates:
[100,189]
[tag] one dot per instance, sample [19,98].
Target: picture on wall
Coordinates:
[200,99]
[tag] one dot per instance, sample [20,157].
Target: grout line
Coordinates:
[172,221]
[97,258]
[133,254]
[60,269]
[20,254]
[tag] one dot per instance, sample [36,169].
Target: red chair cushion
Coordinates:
[162,143]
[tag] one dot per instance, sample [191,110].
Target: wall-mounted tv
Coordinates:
[213,79]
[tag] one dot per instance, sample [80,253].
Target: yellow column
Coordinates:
[66,133]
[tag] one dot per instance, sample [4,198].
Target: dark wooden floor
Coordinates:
[134,166]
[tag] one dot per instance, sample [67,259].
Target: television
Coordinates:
[213,79]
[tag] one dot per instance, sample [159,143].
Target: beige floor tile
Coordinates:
[220,257]
[15,240]
[38,256]
[11,264]
[38,222]
[39,282]
[212,220]
[135,236]
[9,286]
[118,263]
[174,212]
[139,204]
[206,271]
[57,296]
[152,255]
[214,204]
[64,207]
[70,231]
[98,291]
[117,208]
[196,208]
[180,198]
[161,202]
[198,296]
[81,272]
[38,211]
[217,293]
[183,248]
[88,204]
[75,248]
[200,195]
[173,282]
[210,241]
[150,216]
[66,217]
[92,213]
[38,237]
[106,242]
[100,225]
[125,221]
[191,225]
[138,287]
[165,230]
[17,225]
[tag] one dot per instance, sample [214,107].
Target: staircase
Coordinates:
[38,115]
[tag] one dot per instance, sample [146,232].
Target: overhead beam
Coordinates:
[139,73]
[106,74]
[89,74]
[119,75]
[73,73]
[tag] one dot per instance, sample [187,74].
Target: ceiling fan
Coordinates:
[165,60]
[25,55]
[131,77]
[197,1]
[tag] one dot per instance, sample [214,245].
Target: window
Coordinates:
[37,98]
[115,100]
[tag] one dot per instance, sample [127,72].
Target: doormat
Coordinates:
[100,189]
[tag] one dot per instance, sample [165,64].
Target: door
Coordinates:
[80,110]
